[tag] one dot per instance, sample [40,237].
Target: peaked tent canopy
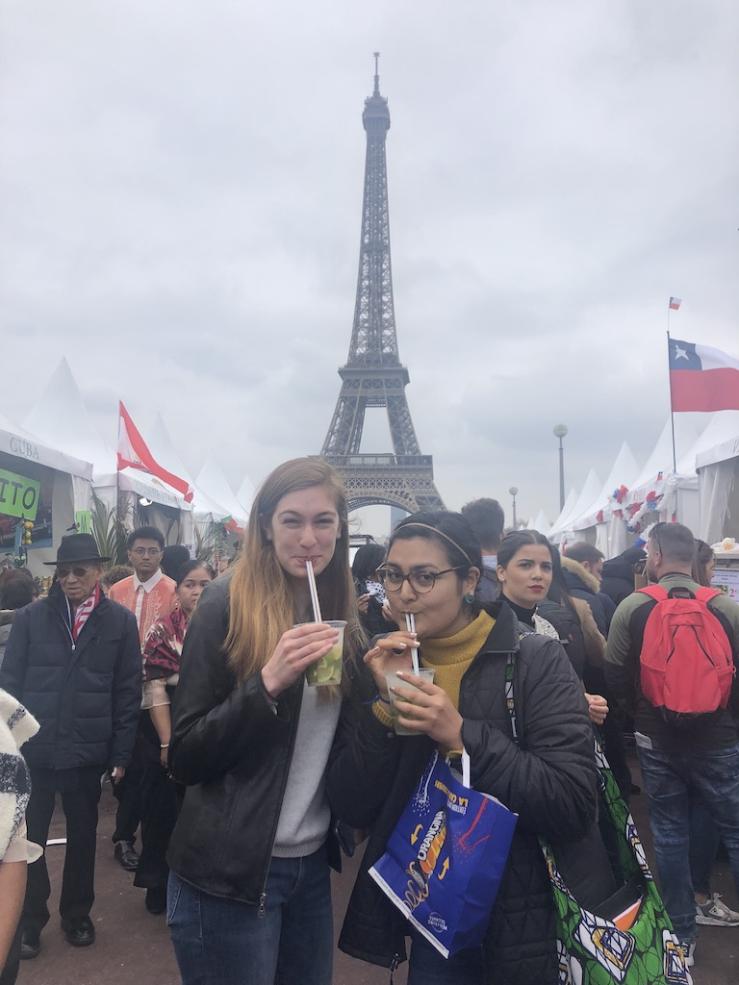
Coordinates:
[246,494]
[212,480]
[566,510]
[623,472]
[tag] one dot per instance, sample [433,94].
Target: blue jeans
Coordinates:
[428,967]
[224,942]
[671,781]
[704,841]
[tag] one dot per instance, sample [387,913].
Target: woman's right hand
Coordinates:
[298,648]
[391,653]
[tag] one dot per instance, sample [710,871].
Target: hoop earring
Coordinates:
[468,598]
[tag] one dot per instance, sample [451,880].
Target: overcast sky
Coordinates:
[181,195]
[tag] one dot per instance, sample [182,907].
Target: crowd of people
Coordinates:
[240,784]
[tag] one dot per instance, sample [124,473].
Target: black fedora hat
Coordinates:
[77,547]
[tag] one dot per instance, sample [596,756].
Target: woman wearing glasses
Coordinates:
[432,568]
[249,899]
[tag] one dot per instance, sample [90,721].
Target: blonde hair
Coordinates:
[261,600]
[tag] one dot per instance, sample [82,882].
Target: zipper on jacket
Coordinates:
[393,967]
[262,908]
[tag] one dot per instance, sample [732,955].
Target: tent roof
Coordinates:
[623,472]
[60,415]
[540,523]
[245,495]
[720,440]
[163,449]
[570,503]
[660,459]
[23,444]
[212,479]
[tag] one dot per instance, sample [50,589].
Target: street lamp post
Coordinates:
[514,492]
[559,432]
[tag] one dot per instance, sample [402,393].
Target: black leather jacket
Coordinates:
[232,748]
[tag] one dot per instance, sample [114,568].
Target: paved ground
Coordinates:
[132,947]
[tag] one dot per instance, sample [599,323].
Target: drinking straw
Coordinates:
[410,625]
[313,591]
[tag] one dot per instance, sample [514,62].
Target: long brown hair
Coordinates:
[261,601]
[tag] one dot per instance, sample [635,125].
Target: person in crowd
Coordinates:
[162,651]
[249,898]
[370,592]
[150,595]
[704,563]
[174,556]
[526,563]
[583,565]
[73,659]
[679,760]
[705,837]
[432,569]
[16,727]
[114,574]
[487,519]
[617,581]
[573,620]
[17,589]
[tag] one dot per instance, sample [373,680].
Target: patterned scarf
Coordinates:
[163,646]
[84,609]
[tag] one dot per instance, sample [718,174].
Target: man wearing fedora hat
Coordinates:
[73,659]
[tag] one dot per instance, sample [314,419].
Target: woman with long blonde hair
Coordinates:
[249,894]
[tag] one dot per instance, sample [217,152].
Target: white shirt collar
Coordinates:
[147,585]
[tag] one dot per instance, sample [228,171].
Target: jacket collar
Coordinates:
[58,601]
[504,636]
[575,569]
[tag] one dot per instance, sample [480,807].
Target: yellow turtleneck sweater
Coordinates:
[450,657]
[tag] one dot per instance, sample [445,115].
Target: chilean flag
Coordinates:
[133,452]
[702,379]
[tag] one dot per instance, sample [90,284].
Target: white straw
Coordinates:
[410,625]
[313,591]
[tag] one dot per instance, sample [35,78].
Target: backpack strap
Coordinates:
[705,594]
[656,592]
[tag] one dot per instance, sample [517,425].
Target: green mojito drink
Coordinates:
[327,670]
[393,681]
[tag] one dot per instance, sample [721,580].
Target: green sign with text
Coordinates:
[19,496]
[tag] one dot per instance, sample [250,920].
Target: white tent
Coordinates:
[566,510]
[60,414]
[540,523]
[604,514]
[24,443]
[717,463]
[659,463]
[212,480]
[589,491]
[246,493]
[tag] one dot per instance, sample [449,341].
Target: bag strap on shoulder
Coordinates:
[656,592]
[705,594]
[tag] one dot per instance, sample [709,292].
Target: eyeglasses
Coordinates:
[421,580]
[146,551]
[77,572]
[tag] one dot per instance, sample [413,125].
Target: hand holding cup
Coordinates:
[298,649]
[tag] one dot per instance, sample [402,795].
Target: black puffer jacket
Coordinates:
[550,781]
[86,697]
[618,574]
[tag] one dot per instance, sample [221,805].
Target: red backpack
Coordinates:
[687,663]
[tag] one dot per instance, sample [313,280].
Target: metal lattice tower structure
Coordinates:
[373,375]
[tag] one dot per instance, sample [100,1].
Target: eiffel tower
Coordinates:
[373,375]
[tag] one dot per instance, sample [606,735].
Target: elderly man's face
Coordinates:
[77,580]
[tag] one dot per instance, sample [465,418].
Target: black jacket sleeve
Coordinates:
[13,672]
[216,719]
[549,778]
[363,759]
[126,694]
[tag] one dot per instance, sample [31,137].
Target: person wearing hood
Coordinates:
[73,660]
[583,565]
[617,581]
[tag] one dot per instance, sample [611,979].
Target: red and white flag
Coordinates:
[702,378]
[133,453]
[675,303]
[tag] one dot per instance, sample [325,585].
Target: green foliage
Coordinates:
[109,531]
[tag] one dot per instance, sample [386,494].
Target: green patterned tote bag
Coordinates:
[591,949]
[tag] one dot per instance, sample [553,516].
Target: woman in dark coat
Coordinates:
[549,779]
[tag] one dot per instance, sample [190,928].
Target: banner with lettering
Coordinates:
[19,495]
[446,857]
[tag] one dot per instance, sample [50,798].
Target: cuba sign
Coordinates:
[19,496]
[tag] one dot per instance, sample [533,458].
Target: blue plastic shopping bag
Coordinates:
[446,857]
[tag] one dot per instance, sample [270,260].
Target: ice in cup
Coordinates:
[327,670]
[392,679]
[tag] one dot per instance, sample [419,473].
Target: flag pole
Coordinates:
[669,376]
